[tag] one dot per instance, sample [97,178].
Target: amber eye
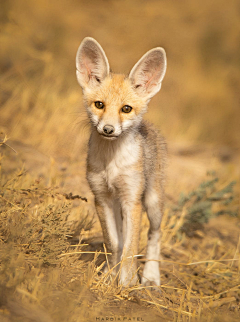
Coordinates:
[126,109]
[99,105]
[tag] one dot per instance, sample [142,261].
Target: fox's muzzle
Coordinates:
[108,129]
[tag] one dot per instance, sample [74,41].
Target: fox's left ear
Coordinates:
[91,63]
[148,73]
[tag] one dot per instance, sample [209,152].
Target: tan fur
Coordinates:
[125,168]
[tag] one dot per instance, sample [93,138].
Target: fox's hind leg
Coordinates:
[153,202]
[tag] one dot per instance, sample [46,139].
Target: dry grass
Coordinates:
[50,272]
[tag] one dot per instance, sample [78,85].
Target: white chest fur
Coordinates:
[110,160]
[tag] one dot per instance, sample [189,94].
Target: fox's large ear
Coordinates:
[149,72]
[91,63]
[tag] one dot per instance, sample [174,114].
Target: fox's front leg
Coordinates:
[110,218]
[131,230]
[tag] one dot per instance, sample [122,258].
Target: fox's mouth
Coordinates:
[109,137]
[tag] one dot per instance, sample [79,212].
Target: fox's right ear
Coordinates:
[91,63]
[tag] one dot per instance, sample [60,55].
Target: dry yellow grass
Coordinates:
[52,255]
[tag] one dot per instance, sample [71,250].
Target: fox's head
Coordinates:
[116,103]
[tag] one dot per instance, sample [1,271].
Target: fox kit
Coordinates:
[126,156]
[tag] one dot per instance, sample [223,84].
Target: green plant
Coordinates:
[208,200]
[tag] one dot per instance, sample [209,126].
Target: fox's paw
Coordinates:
[151,275]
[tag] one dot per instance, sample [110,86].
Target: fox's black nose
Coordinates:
[108,129]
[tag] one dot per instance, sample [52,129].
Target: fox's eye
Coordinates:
[126,109]
[99,105]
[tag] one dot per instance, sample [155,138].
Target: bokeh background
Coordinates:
[45,274]
[41,101]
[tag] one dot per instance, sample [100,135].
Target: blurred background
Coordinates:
[41,101]
[41,111]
